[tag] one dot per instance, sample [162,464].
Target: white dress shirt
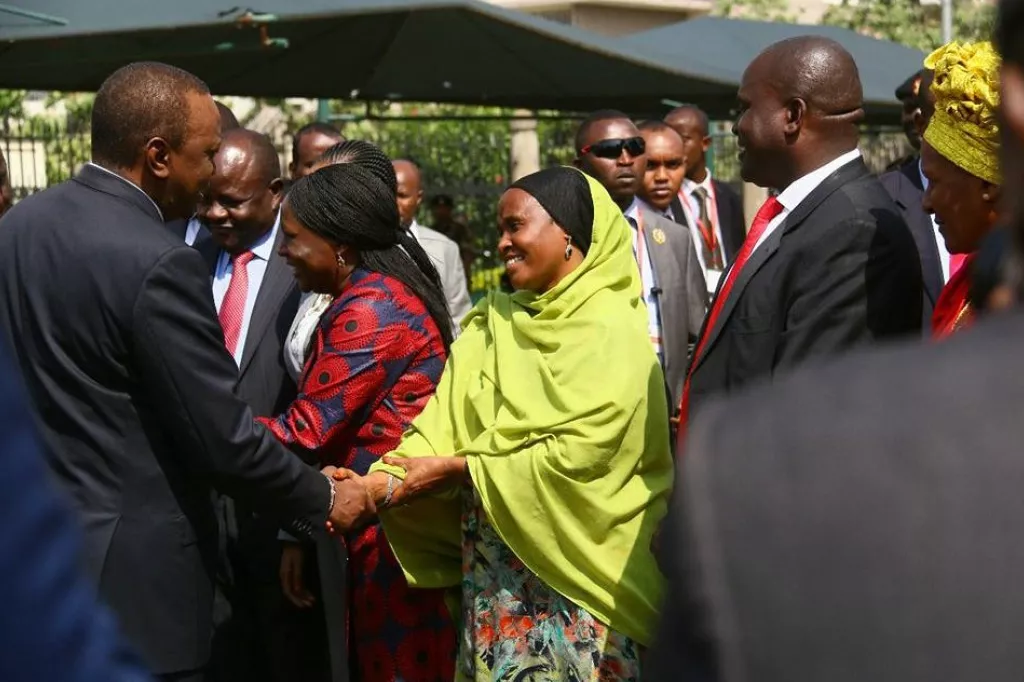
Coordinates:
[940,242]
[124,179]
[192,230]
[792,196]
[692,207]
[635,212]
[262,251]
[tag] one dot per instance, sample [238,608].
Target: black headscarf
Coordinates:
[565,195]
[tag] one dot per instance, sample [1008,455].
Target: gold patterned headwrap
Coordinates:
[966,90]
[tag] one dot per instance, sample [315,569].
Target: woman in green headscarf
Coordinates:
[534,480]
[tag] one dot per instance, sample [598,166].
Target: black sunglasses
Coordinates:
[612,148]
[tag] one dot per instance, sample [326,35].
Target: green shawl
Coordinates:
[558,403]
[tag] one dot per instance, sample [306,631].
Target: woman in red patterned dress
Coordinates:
[375,358]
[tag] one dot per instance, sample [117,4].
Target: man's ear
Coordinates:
[157,157]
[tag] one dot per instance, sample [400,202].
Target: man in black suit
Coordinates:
[713,210]
[863,523]
[611,150]
[906,184]
[111,320]
[257,640]
[829,264]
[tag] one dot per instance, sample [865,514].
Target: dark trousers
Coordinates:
[259,636]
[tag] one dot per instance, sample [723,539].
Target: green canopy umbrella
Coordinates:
[731,44]
[463,51]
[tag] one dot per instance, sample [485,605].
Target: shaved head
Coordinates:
[240,145]
[819,71]
[409,190]
[801,102]
[228,120]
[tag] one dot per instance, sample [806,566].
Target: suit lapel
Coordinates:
[277,284]
[763,253]
[210,252]
[666,276]
[679,213]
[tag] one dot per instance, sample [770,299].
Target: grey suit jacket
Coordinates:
[864,524]
[446,257]
[682,295]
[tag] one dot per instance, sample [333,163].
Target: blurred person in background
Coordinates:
[665,170]
[308,144]
[443,251]
[906,184]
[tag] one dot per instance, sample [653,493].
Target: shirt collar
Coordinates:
[264,246]
[414,229]
[126,180]
[791,197]
[644,206]
[634,209]
[920,170]
[689,185]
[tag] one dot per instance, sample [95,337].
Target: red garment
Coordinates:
[232,308]
[377,358]
[768,211]
[952,310]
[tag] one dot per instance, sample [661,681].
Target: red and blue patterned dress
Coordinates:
[376,359]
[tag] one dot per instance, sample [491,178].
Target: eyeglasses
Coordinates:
[612,148]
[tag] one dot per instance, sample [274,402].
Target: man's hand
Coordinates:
[293,559]
[353,505]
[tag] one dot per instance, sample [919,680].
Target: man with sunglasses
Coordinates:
[611,150]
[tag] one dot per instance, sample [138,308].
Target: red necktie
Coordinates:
[768,211]
[956,261]
[232,308]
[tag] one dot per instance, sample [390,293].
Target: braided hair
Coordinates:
[371,157]
[348,204]
[365,154]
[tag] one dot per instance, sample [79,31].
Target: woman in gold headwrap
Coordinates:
[960,160]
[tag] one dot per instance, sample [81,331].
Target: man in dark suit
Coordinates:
[54,626]
[906,185]
[611,150]
[712,209]
[241,212]
[862,525]
[829,264]
[111,320]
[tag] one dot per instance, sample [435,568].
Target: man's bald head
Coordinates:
[228,120]
[410,190]
[819,71]
[240,207]
[801,101]
[243,147]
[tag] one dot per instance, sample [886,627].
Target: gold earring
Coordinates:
[341,261]
[568,247]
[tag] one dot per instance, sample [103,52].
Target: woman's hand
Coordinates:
[426,475]
[293,561]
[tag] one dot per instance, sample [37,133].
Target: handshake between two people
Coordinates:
[358,498]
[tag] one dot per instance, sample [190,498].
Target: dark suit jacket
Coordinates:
[683,294]
[112,322]
[906,189]
[54,627]
[863,525]
[842,270]
[263,381]
[730,218]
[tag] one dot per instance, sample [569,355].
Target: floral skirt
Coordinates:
[515,627]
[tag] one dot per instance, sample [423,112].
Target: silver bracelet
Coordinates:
[334,493]
[391,490]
